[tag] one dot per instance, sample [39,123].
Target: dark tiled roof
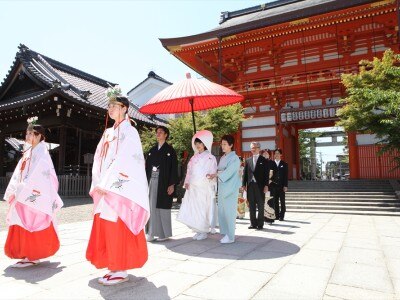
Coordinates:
[151,75]
[265,15]
[24,99]
[65,80]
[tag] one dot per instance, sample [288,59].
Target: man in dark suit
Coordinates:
[255,182]
[281,185]
[162,175]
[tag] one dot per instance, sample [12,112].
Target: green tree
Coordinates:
[372,104]
[220,121]
[148,138]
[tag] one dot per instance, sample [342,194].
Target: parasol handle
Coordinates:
[194,121]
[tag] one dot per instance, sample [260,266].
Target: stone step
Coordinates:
[345,203]
[339,184]
[366,190]
[342,198]
[291,207]
[339,193]
[346,212]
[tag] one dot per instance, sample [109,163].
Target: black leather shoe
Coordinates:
[260,228]
[280,219]
[252,227]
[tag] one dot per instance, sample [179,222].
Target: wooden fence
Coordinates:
[77,186]
[74,185]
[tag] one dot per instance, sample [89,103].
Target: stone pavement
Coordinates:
[308,256]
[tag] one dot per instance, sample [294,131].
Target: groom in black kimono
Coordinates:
[162,174]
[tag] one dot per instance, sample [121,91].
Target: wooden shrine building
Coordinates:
[286,57]
[70,103]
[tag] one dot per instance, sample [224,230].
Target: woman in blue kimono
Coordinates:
[228,189]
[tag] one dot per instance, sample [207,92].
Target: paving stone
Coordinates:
[362,243]
[353,293]
[175,282]
[362,276]
[219,285]
[325,245]
[196,268]
[394,268]
[263,261]
[361,256]
[236,249]
[315,258]
[296,282]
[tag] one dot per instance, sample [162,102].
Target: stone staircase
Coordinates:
[362,197]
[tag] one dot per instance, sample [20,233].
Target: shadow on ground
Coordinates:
[266,248]
[135,288]
[34,274]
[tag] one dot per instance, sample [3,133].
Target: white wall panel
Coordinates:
[261,121]
[259,132]
[366,139]
[264,144]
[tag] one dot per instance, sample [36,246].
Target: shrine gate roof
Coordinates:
[56,77]
[264,15]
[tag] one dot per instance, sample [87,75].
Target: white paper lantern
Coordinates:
[283,117]
[295,116]
[325,112]
[301,115]
[307,114]
[313,114]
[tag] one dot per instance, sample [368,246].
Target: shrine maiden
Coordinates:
[120,194]
[33,203]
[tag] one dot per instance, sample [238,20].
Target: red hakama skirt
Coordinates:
[22,243]
[113,246]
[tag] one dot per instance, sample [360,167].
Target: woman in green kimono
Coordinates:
[228,189]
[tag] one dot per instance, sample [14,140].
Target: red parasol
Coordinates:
[190,95]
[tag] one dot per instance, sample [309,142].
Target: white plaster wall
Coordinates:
[259,132]
[366,139]
[264,145]
[261,121]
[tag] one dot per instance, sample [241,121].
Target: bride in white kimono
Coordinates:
[197,209]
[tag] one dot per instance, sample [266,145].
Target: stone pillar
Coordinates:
[313,154]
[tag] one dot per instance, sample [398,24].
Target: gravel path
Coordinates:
[74,210]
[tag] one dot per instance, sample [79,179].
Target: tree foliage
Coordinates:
[220,121]
[372,104]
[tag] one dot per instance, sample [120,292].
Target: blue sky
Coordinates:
[114,40]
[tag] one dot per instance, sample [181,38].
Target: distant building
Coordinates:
[147,89]
[338,169]
[70,103]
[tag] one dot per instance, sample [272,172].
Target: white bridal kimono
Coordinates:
[198,205]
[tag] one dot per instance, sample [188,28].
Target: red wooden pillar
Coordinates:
[279,128]
[353,156]
[238,139]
